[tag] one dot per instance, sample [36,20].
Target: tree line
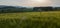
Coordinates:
[24,9]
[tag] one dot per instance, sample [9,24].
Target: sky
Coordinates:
[30,3]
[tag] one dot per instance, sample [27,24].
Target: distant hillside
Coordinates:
[7,9]
[1,6]
[14,9]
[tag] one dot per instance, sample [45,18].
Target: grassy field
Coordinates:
[30,20]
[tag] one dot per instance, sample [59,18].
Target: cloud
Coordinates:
[26,2]
[36,3]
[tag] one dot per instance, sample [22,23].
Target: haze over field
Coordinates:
[31,3]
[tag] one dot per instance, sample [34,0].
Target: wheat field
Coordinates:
[30,20]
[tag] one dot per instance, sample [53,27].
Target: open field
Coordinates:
[30,20]
[19,15]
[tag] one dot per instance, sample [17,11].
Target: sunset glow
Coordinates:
[37,3]
[30,2]
[40,1]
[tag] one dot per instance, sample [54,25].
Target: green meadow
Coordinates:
[30,20]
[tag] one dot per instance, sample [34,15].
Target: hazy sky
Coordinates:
[30,2]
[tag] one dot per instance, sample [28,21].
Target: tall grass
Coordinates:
[30,20]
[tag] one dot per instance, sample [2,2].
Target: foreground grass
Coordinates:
[30,20]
